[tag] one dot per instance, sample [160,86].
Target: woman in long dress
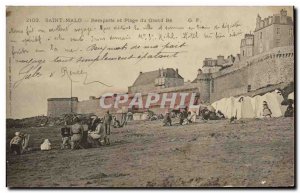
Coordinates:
[266,110]
[76,134]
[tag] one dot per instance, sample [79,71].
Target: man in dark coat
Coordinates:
[167,120]
[66,136]
[107,123]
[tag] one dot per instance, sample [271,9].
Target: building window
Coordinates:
[243,53]
[260,35]
[278,31]
[212,86]
[249,88]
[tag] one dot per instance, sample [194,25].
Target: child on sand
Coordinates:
[15,144]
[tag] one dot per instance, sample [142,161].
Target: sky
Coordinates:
[30,97]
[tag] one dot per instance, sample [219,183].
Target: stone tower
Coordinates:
[247,46]
[204,81]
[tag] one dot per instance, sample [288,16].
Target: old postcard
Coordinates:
[150,97]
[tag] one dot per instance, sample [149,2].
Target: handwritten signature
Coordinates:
[65,72]
[29,71]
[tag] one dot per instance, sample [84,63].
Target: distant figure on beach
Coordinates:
[183,115]
[76,133]
[167,120]
[107,123]
[266,110]
[66,136]
[290,109]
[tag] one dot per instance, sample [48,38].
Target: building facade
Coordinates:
[272,32]
[155,80]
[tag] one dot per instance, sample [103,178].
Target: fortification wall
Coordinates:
[89,106]
[58,107]
[271,68]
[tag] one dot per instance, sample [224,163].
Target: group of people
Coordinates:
[96,131]
[206,113]
[185,117]
[75,134]
[80,135]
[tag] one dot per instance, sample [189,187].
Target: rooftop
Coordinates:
[149,77]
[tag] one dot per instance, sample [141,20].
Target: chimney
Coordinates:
[283,12]
[141,72]
[176,75]
[199,71]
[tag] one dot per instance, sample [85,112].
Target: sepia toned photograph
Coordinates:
[150,97]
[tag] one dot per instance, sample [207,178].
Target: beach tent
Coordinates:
[220,105]
[291,96]
[215,105]
[229,108]
[211,108]
[257,104]
[247,108]
[274,100]
[235,107]
[137,116]
[243,108]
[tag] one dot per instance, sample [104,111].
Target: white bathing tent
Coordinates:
[291,96]
[225,105]
[229,108]
[243,108]
[215,105]
[274,102]
[222,105]
[257,104]
[251,107]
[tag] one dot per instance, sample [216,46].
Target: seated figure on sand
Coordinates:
[46,145]
[290,109]
[98,137]
[15,144]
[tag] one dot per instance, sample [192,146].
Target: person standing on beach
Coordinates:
[107,123]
